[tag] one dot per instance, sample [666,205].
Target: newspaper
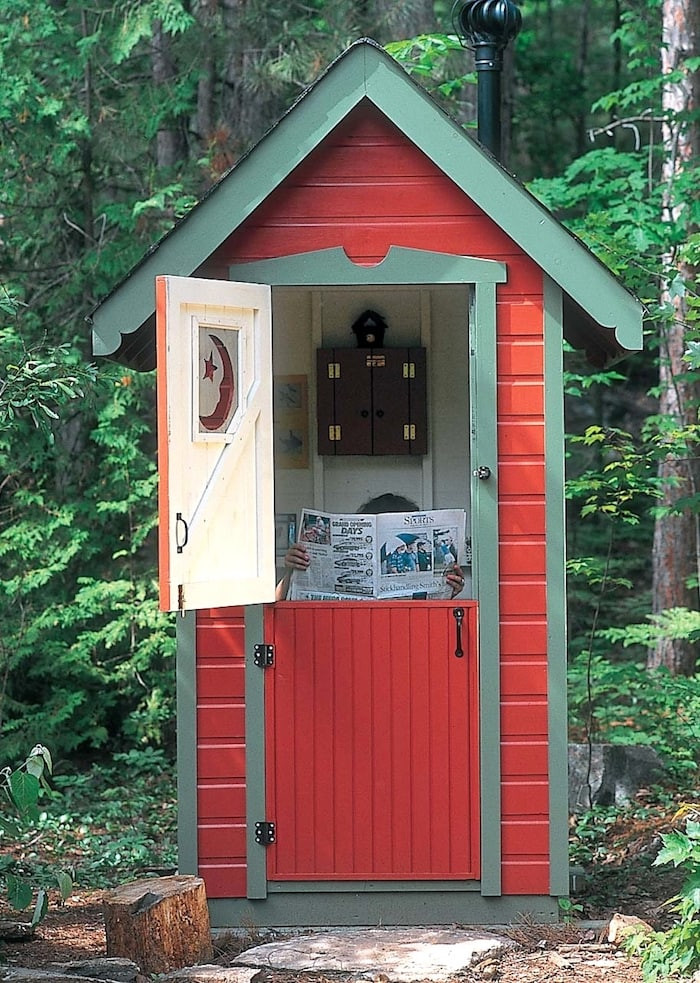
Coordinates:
[390,555]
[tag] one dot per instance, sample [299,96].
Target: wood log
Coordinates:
[161,923]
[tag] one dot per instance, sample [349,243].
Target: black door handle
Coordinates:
[458,614]
[180,523]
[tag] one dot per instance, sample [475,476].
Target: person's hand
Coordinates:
[455,579]
[297,557]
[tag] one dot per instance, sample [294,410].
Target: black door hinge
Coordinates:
[264,833]
[264,655]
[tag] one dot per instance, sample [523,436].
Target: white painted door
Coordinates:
[215,463]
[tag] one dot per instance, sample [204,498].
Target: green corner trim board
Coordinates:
[598,306]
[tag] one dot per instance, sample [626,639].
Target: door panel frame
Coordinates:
[401,266]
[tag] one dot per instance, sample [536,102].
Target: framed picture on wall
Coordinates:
[291,421]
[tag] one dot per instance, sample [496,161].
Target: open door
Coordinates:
[216,496]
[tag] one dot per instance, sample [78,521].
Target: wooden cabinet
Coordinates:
[372,401]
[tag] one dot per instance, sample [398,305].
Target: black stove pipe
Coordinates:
[486,26]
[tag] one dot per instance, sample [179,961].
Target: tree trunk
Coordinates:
[406,19]
[161,923]
[675,552]
[581,118]
[170,142]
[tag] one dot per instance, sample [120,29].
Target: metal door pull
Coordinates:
[181,523]
[458,614]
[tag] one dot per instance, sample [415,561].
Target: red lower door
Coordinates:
[372,741]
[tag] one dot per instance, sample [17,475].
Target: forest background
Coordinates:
[116,118]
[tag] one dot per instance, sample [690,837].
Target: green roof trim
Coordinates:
[331,267]
[366,71]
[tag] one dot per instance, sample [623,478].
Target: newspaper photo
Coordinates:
[390,555]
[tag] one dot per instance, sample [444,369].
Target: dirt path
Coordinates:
[553,953]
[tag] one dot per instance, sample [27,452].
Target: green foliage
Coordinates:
[563,62]
[37,382]
[117,819]
[607,198]
[107,824]
[625,477]
[86,656]
[569,910]
[138,20]
[427,57]
[671,623]
[622,702]
[675,952]
[587,840]
[20,790]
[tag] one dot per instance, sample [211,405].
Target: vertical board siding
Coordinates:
[221,822]
[367,188]
[373,743]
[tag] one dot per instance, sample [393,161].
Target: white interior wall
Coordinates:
[435,318]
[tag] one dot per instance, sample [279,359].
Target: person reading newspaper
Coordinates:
[405,557]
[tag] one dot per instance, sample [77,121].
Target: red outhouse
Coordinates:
[337,763]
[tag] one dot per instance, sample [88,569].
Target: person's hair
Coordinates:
[388,503]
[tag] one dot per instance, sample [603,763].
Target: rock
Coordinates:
[622,926]
[16,931]
[561,962]
[403,955]
[102,968]
[610,774]
[19,975]
[212,974]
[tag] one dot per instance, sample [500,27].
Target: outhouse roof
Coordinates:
[600,315]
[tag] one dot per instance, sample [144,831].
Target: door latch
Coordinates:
[458,614]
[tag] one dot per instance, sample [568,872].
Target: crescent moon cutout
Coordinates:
[227,390]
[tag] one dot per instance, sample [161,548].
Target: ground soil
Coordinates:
[619,880]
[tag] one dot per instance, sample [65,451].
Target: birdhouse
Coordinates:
[367,303]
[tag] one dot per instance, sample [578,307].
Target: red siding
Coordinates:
[522,557]
[221,826]
[366,188]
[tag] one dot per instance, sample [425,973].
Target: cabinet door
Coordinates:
[399,402]
[372,742]
[345,402]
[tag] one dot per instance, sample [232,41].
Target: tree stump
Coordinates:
[161,923]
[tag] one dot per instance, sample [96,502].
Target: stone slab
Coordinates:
[402,955]
[211,974]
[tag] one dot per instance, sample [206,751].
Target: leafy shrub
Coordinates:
[19,815]
[625,703]
[118,819]
[676,951]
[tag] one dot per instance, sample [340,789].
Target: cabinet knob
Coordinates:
[483,472]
